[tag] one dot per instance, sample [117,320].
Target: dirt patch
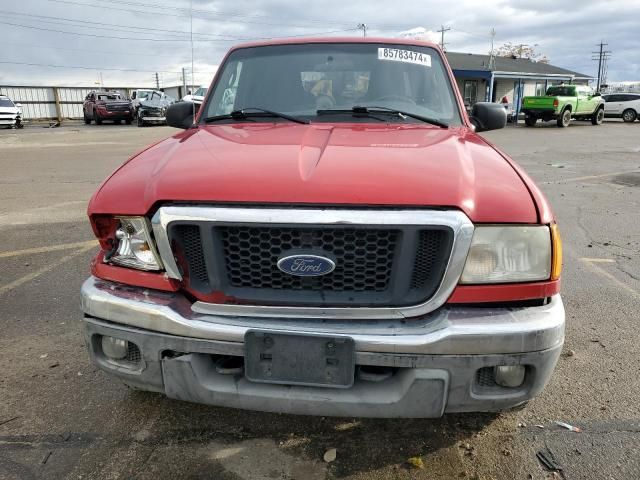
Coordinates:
[627,179]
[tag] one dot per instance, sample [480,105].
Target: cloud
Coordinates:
[155,38]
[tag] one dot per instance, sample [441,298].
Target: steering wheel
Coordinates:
[401,98]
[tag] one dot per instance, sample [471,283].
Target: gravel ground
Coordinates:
[62,418]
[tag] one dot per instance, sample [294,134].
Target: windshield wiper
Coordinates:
[242,114]
[360,110]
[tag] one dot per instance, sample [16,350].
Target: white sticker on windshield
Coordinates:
[407,56]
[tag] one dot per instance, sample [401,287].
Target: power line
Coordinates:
[167,39]
[250,19]
[99,36]
[88,50]
[119,27]
[87,68]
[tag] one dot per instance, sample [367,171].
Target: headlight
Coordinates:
[501,254]
[134,245]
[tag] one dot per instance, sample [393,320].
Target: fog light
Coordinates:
[114,348]
[509,376]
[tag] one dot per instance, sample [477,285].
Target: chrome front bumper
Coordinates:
[437,355]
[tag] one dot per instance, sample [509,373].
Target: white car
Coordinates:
[622,105]
[197,96]
[10,113]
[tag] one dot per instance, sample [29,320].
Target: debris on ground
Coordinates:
[2,422]
[330,455]
[569,427]
[416,462]
[569,353]
[522,425]
[506,452]
[46,457]
[540,426]
[44,355]
[548,460]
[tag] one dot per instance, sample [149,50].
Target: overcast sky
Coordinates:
[153,35]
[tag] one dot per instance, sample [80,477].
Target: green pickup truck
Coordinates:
[562,103]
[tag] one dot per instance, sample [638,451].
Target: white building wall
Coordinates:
[40,102]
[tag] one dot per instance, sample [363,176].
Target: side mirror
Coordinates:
[180,115]
[18,105]
[488,116]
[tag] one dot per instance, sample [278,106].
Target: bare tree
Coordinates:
[520,50]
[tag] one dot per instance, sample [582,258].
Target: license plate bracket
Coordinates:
[299,359]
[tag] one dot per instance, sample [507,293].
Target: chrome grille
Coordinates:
[363,257]
[424,269]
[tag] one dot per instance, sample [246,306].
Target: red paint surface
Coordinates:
[129,276]
[504,292]
[321,164]
[359,164]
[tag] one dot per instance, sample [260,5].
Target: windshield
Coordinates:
[299,80]
[561,91]
[110,96]
[201,92]
[5,102]
[144,93]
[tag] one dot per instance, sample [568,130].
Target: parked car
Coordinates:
[342,242]
[99,106]
[562,103]
[153,109]
[622,105]
[197,96]
[10,113]
[138,95]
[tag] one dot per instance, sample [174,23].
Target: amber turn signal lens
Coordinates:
[556,258]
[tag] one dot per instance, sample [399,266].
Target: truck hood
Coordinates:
[411,165]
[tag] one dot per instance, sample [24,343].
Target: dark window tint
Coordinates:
[5,102]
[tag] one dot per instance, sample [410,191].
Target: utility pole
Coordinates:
[184,83]
[363,27]
[492,53]
[602,57]
[441,31]
[157,82]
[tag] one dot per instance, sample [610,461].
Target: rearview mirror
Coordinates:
[488,116]
[180,115]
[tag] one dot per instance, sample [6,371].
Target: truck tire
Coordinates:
[565,118]
[96,118]
[87,120]
[530,121]
[629,115]
[598,117]
[127,120]
[140,121]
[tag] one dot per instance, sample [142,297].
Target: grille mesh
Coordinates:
[431,250]
[364,257]
[192,245]
[133,353]
[485,377]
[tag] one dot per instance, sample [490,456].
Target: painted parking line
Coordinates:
[51,248]
[598,260]
[45,269]
[590,177]
[594,267]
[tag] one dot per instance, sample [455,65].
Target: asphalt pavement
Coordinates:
[60,417]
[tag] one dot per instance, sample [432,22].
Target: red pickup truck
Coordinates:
[328,236]
[99,106]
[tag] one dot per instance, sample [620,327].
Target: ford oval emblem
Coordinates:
[306,265]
